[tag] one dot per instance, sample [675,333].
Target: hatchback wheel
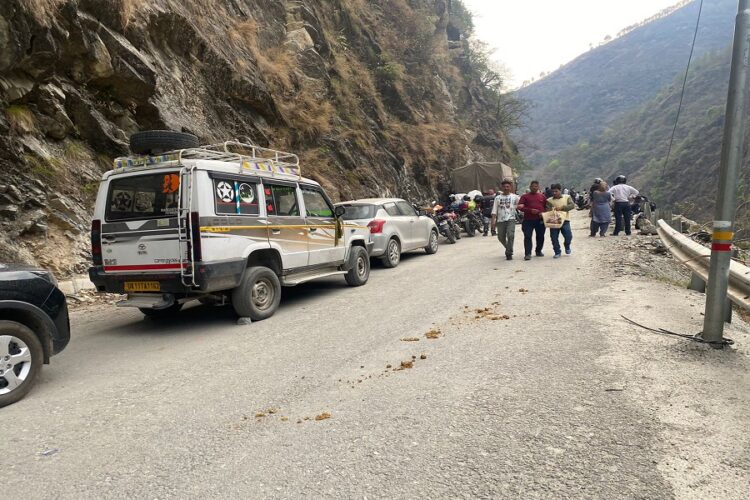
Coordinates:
[258,295]
[21,358]
[392,255]
[432,245]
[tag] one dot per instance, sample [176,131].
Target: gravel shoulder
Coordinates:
[534,387]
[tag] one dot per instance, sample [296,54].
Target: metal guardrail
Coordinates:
[697,258]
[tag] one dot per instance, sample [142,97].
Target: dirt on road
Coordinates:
[525,382]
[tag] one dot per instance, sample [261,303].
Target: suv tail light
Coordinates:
[195,232]
[376,226]
[96,242]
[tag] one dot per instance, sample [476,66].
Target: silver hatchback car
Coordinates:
[395,225]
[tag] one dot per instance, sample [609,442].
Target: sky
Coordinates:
[537,36]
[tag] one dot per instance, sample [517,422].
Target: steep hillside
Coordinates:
[636,145]
[582,98]
[378,97]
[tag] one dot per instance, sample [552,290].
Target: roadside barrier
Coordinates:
[697,258]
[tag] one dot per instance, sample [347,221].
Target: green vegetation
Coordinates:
[21,119]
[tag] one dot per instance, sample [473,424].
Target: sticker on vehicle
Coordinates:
[247,193]
[225,192]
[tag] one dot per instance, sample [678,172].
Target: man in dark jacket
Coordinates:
[533,204]
[486,204]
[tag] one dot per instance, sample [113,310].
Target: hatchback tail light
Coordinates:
[376,226]
[96,242]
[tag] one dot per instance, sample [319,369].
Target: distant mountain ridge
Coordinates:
[584,97]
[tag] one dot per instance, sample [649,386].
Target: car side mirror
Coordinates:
[339,211]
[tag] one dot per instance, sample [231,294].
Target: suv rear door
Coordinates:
[140,232]
[321,227]
[286,225]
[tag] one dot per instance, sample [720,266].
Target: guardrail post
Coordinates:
[697,283]
[732,153]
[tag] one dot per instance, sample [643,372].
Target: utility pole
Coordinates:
[732,155]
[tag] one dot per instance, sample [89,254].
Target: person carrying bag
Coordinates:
[557,220]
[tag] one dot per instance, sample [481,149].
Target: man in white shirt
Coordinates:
[504,217]
[623,196]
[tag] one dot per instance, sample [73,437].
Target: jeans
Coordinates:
[528,227]
[622,214]
[506,234]
[600,227]
[567,237]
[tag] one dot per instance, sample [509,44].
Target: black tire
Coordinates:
[258,295]
[162,313]
[456,231]
[432,243]
[359,267]
[392,256]
[469,227]
[451,237]
[30,373]
[153,142]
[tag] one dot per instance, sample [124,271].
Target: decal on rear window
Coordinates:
[143,197]
[235,197]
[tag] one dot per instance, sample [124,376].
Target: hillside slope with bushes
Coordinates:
[378,97]
[637,145]
[582,98]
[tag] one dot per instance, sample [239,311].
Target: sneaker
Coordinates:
[527,257]
[484,234]
[540,254]
[508,257]
[557,256]
[568,251]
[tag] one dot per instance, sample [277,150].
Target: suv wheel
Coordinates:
[161,313]
[21,358]
[359,269]
[432,245]
[392,255]
[258,295]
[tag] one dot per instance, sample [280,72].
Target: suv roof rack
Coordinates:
[249,157]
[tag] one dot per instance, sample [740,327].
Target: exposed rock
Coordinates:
[9,211]
[299,40]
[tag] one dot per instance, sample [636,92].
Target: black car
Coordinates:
[34,326]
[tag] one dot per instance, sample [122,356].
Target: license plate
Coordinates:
[142,286]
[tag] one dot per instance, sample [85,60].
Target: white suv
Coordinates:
[214,223]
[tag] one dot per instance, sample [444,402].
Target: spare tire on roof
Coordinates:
[154,142]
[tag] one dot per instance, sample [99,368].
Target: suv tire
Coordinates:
[22,340]
[359,267]
[161,313]
[258,295]
[392,255]
[153,142]
[432,244]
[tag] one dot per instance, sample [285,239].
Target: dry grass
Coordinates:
[129,8]
[20,119]
[42,10]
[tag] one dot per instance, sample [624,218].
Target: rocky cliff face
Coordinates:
[378,97]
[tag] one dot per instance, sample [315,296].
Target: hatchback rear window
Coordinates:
[149,196]
[356,212]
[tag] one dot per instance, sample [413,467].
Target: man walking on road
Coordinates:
[562,204]
[623,196]
[533,204]
[504,217]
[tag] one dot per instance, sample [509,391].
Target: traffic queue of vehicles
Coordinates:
[230,223]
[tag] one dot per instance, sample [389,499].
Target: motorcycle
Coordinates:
[471,221]
[443,223]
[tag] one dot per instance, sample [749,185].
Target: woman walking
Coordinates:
[561,204]
[601,211]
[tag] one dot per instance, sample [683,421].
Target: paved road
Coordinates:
[560,399]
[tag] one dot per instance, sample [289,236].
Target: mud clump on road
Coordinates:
[410,339]
[323,416]
[406,365]
[433,334]
[489,314]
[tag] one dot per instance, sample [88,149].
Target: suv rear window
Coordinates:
[139,197]
[356,212]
